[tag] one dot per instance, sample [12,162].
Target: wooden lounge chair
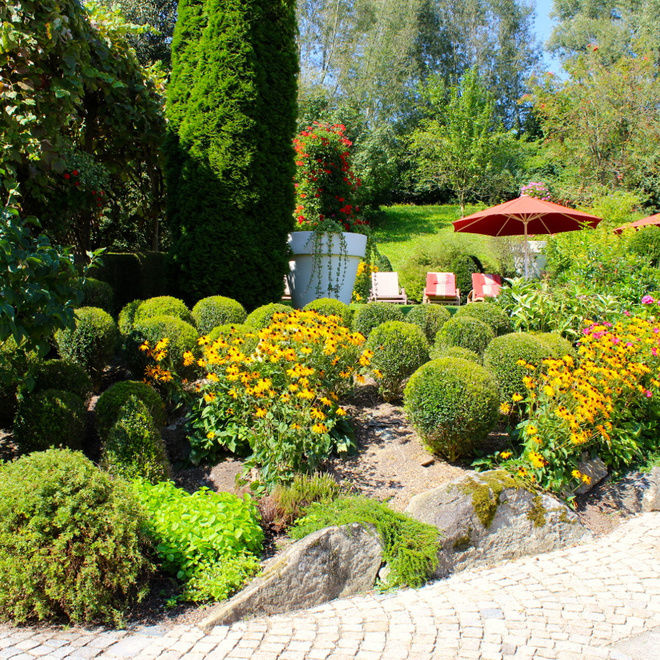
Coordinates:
[441,288]
[385,288]
[484,286]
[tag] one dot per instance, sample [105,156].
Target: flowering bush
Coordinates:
[605,403]
[325,184]
[536,189]
[280,399]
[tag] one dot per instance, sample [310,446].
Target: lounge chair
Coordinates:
[441,288]
[385,288]
[484,286]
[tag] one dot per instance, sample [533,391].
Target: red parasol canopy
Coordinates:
[524,216]
[644,222]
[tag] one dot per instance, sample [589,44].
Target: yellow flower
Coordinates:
[576,474]
[188,358]
[505,408]
[516,397]
[536,459]
[319,428]
[506,454]
[531,430]
[144,346]
[260,412]
[586,479]
[209,397]
[340,411]
[210,435]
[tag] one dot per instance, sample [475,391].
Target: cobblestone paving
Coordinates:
[569,604]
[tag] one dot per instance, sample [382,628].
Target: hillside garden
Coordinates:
[167,419]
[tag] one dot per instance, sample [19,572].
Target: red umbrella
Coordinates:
[644,222]
[524,216]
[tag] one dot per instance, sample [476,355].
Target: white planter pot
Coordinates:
[327,273]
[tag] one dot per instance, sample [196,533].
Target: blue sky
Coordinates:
[543,25]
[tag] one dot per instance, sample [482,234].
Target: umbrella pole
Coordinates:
[526,256]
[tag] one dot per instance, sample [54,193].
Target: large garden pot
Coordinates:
[324,265]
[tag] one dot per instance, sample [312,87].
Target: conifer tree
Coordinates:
[232,106]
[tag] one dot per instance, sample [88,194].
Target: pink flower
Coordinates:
[649,394]
[648,300]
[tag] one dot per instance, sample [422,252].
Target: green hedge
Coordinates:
[466,332]
[490,314]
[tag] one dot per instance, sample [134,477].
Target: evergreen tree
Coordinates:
[231,171]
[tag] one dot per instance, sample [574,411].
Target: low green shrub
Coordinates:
[163,306]
[490,314]
[367,317]
[97,294]
[61,374]
[182,337]
[453,404]
[291,500]
[70,541]
[430,318]
[466,332]
[217,310]
[110,403]
[134,446]
[331,307]
[261,316]
[13,367]
[646,243]
[456,352]
[410,548]
[126,320]
[91,344]
[557,345]
[50,418]
[502,356]
[194,535]
[399,349]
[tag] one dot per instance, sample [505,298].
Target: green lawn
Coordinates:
[402,228]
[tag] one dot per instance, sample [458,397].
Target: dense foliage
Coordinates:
[371,315]
[70,542]
[430,318]
[213,311]
[230,160]
[465,331]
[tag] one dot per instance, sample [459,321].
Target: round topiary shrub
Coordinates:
[163,306]
[330,307]
[91,343]
[237,334]
[558,346]
[61,374]
[97,293]
[261,316]
[490,314]
[110,403]
[453,404]
[134,446]
[183,337]
[70,541]
[50,418]
[430,318]
[217,310]
[367,317]
[466,332]
[126,320]
[456,352]
[502,355]
[399,350]
[646,243]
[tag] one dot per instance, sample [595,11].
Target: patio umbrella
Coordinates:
[525,216]
[644,222]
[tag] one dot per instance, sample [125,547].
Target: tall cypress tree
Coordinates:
[231,174]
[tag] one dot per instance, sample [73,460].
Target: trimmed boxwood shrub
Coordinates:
[91,343]
[490,314]
[134,446]
[217,310]
[110,403]
[330,306]
[557,345]
[453,404]
[261,316]
[97,293]
[163,306]
[61,374]
[399,348]
[126,320]
[466,332]
[456,352]
[50,418]
[372,314]
[430,318]
[501,359]
[70,541]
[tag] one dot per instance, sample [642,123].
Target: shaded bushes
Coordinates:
[372,314]
[54,374]
[453,404]
[97,294]
[70,541]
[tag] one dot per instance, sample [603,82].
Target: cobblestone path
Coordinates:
[575,603]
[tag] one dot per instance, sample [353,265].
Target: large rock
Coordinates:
[486,517]
[334,562]
[651,496]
